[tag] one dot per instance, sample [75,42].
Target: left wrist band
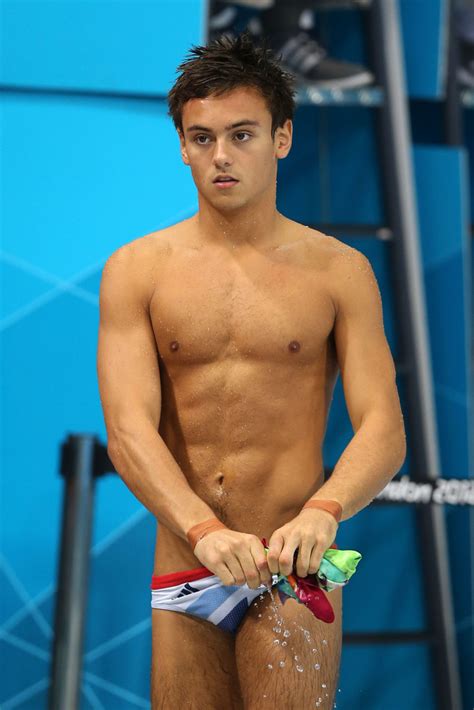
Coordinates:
[330,506]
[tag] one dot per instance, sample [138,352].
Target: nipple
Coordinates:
[174,345]
[294,346]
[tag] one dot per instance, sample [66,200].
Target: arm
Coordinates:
[377,450]
[130,391]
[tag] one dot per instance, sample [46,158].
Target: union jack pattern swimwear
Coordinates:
[202,594]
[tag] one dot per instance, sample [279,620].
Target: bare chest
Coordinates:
[208,308]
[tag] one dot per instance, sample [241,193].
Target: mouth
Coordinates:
[225,181]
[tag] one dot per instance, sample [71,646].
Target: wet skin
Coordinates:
[241,308]
[248,367]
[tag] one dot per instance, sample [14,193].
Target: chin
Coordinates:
[228,204]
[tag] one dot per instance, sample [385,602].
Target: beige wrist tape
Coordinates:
[197,532]
[330,506]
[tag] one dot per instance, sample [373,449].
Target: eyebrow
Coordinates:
[238,124]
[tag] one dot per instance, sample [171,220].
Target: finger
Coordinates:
[275,547]
[286,555]
[236,570]
[315,559]
[260,559]
[304,556]
[224,574]
[251,572]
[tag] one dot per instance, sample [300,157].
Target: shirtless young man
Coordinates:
[220,343]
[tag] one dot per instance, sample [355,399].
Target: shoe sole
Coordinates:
[348,82]
[332,4]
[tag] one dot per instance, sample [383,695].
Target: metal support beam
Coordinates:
[78,466]
[400,194]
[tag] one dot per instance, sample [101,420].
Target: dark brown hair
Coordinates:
[228,63]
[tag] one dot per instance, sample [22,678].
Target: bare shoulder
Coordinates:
[333,252]
[137,263]
[351,279]
[345,262]
[153,244]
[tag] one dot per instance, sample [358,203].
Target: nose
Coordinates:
[222,157]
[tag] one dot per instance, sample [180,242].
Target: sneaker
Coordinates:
[333,4]
[307,60]
[465,71]
[228,20]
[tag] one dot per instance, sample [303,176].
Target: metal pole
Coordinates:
[73,572]
[401,204]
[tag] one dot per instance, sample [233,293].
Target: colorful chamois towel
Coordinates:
[336,569]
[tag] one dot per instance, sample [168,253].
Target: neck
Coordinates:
[252,225]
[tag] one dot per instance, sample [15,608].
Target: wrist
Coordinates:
[197,532]
[329,506]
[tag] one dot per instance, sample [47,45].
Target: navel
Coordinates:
[294,346]
[174,345]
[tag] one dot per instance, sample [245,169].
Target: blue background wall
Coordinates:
[91,161]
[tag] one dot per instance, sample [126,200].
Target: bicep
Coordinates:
[363,353]
[127,356]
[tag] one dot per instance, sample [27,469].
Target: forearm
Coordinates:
[371,459]
[149,470]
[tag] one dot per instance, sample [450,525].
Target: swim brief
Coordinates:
[201,593]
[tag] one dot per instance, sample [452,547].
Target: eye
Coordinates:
[242,136]
[201,142]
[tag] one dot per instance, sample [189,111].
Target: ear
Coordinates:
[184,152]
[283,138]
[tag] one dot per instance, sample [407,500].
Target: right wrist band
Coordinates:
[197,532]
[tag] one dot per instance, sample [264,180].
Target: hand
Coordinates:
[235,557]
[311,532]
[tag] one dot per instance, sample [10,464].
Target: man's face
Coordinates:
[229,136]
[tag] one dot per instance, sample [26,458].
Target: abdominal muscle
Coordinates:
[251,490]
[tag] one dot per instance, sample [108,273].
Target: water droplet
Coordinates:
[281,664]
[317,666]
[323,685]
[276,641]
[270,617]
[300,669]
[286,633]
[259,616]
[315,650]
[296,658]
[325,643]
[283,643]
[270,666]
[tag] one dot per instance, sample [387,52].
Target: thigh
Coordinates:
[193,664]
[286,657]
